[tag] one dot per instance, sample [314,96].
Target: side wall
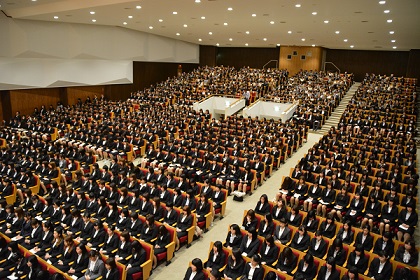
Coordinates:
[297,58]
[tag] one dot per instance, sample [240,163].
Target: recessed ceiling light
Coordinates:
[203,17]
[230,39]
[298,5]
[382,2]
[345,40]
[55,17]
[393,41]
[386,11]
[130,16]
[177,34]
[394,47]
[138,7]
[313,45]
[200,40]
[174,13]
[303,39]
[160,20]
[92,12]
[33,0]
[125,23]
[278,45]
[314,13]
[247,32]
[230,9]
[337,32]
[197,1]
[271,22]
[246,44]
[217,44]
[391,32]
[290,32]
[389,20]
[185,25]
[254,15]
[150,27]
[351,46]
[210,33]
[265,39]
[93,20]
[225,23]
[326,21]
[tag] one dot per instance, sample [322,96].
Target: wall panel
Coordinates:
[292,60]
[74,93]
[26,100]
[361,62]
[413,68]
[208,55]
[243,57]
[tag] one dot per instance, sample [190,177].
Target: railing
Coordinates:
[277,63]
[332,65]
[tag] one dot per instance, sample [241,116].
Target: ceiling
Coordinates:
[352,24]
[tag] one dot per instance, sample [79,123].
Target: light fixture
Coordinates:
[210,33]
[389,20]
[391,32]
[230,9]
[174,13]
[254,15]
[203,17]
[197,1]
[303,39]
[177,34]
[138,7]
[160,20]
[290,32]
[394,47]
[200,40]
[55,17]
[130,16]
[230,39]
[32,1]
[337,32]
[92,12]
[125,23]
[351,46]
[185,25]
[247,32]
[93,20]
[382,2]
[314,13]
[393,41]
[278,45]
[386,11]
[298,5]
[150,27]
[265,39]
[246,44]
[326,21]
[313,45]
[225,23]
[271,22]
[345,40]
[217,44]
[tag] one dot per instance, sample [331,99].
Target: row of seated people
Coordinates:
[60,256]
[382,212]
[262,247]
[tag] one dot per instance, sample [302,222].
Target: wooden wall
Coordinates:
[26,100]
[361,62]
[208,55]
[312,58]
[413,68]
[74,93]
[243,57]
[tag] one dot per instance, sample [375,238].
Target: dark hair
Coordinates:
[236,228]
[111,262]
[253,231]
[354,271]
[34,261]
[218,246]
[271,275]
[93,253]
[198,264]
[309,259]
[270,240]
[256,258]
[216,274]
[331,261]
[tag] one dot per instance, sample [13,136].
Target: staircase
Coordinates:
[335,117]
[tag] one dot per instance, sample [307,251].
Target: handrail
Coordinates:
[339,72]
[277,63]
